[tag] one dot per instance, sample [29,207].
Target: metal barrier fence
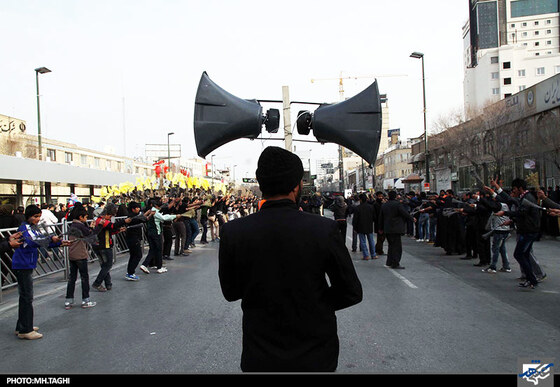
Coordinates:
[54,260]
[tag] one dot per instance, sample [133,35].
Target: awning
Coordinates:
[413,178]
[417,158]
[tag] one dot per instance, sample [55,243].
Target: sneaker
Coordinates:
[168,258]
[144,269]
[131,277]
[99,288]
[33,335]
[88,304]
[365,258]
[505,270]
[162,270]
[68,304]
[187,251]
[541,279]
[489,270]
[527,284]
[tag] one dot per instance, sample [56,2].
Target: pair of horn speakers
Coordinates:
[220,117]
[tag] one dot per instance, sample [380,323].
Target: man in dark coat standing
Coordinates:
[392,222]
[276,262]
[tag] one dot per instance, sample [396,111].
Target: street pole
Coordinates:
[287,119]
[169,151]
[40,70]
[419,55]
[425,125]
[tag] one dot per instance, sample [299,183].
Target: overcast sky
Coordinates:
[129,69]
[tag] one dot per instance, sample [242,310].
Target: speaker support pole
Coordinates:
[287,119]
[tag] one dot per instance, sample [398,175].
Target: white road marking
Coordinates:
[402,278]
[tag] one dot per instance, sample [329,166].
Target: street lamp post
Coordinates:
[40,70]
[419,55]
[169,151]
[212,163]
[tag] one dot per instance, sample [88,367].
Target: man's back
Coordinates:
[276,261]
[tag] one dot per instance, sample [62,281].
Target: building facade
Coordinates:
[509,45]
[517,137]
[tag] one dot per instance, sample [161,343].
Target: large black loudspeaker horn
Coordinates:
[355,123]
[220,117]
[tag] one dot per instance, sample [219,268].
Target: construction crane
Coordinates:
[341,80]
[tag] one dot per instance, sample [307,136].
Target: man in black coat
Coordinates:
[392,223]
[276,262]
[364,218]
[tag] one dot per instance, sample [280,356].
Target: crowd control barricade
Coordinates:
[54,260]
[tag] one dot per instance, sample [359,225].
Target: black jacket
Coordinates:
[392,217]
[364,217]
[527,219]
[276,261]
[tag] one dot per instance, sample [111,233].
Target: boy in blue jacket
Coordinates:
[24,261]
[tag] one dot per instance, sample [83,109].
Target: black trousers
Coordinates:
[25,311]
[342,226]
[75,267]
[167,231]
[379,244]
[394,251]
[471,241]
[155,254]
[483,247]
[135,250]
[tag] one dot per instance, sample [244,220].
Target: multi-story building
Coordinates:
[63,168]
[509,45]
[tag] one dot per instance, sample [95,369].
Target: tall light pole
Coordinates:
[212,163]
[40,70]
[169,151]
[419,55]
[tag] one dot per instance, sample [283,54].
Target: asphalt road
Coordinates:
[441,315]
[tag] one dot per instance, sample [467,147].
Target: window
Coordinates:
[537,44]
[506,65]
[523,87]
[96,161]
[521,72]
[67,157]
[524,34]
[557,69]
[83,159]
[507,81]
[549,21]
[524,24]
[513,25]
[548,42]
[537,33]
[496,75]
[494,59]
[548,32]
[51,154]
[540,71]
[537,23]
[496,91]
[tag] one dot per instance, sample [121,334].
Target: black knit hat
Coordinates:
[278,171]
[31,210]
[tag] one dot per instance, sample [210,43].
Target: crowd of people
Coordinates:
[474,224]
[172,217]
